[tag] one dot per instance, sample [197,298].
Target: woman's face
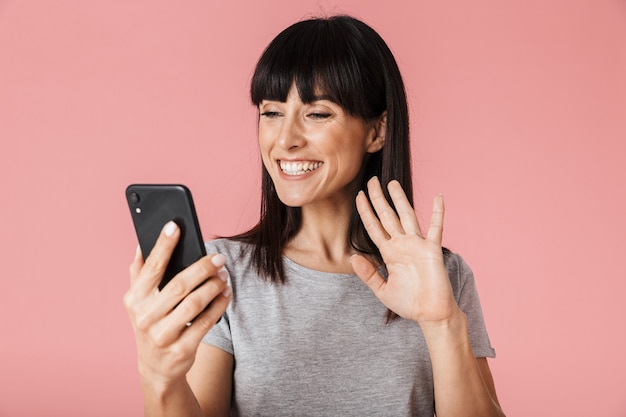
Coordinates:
[314,152]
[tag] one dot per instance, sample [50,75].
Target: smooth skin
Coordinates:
[318,132]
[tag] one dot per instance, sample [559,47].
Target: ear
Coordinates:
[379,134]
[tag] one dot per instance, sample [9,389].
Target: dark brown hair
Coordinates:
[350,63]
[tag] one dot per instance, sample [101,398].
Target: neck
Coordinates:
[322,241]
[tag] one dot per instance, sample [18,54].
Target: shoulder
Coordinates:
[455,262]
[239,257]
[459,271]
[232,249]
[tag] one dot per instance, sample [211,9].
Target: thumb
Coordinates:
[368,274]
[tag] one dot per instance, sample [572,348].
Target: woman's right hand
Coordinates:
[166,343]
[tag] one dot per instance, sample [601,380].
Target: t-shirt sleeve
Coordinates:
[220,335]
[466,294]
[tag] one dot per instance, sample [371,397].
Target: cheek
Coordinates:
[265,149]
[264,143]
[267,162]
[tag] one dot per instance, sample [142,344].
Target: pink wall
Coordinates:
[519,118]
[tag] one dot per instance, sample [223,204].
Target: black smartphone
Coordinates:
[151,207]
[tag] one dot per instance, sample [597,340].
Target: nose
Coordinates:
[291,134]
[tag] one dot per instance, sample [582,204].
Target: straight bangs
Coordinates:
[325,59]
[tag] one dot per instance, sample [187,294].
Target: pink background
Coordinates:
[518,115]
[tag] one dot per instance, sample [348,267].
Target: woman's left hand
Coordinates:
[417,286]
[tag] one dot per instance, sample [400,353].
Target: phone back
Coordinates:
[151,207]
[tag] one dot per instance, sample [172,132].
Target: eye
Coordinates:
[319,115]
[270,114]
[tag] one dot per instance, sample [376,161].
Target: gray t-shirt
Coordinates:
[319,344]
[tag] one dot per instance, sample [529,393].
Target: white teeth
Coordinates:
[298,168]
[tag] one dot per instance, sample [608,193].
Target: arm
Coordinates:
[463,384]
[211,379]
[418,288]
[166,345]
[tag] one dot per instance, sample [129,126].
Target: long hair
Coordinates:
[348,61]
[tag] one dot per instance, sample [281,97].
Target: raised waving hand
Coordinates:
[417,287]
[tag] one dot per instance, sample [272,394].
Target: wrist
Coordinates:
[451,331]
[167,397]
[157,385]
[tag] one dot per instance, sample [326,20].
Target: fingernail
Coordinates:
[227,291]
[218,260]
[170,228]
[223,274]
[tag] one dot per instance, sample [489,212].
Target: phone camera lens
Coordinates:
[134,198]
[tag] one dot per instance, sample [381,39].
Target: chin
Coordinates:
[292,201]
[293,196]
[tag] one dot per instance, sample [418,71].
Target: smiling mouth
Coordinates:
[299,167]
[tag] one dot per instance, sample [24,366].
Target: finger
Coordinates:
[136,265]
[130,299]
[408,219]
[197,301]
[371,223]
[156,263]
[162,304]
[209,317]
[188,280]
[435,230]
[168,330]
[368,274]
[387,215]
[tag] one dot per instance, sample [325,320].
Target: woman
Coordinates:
[339,304]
